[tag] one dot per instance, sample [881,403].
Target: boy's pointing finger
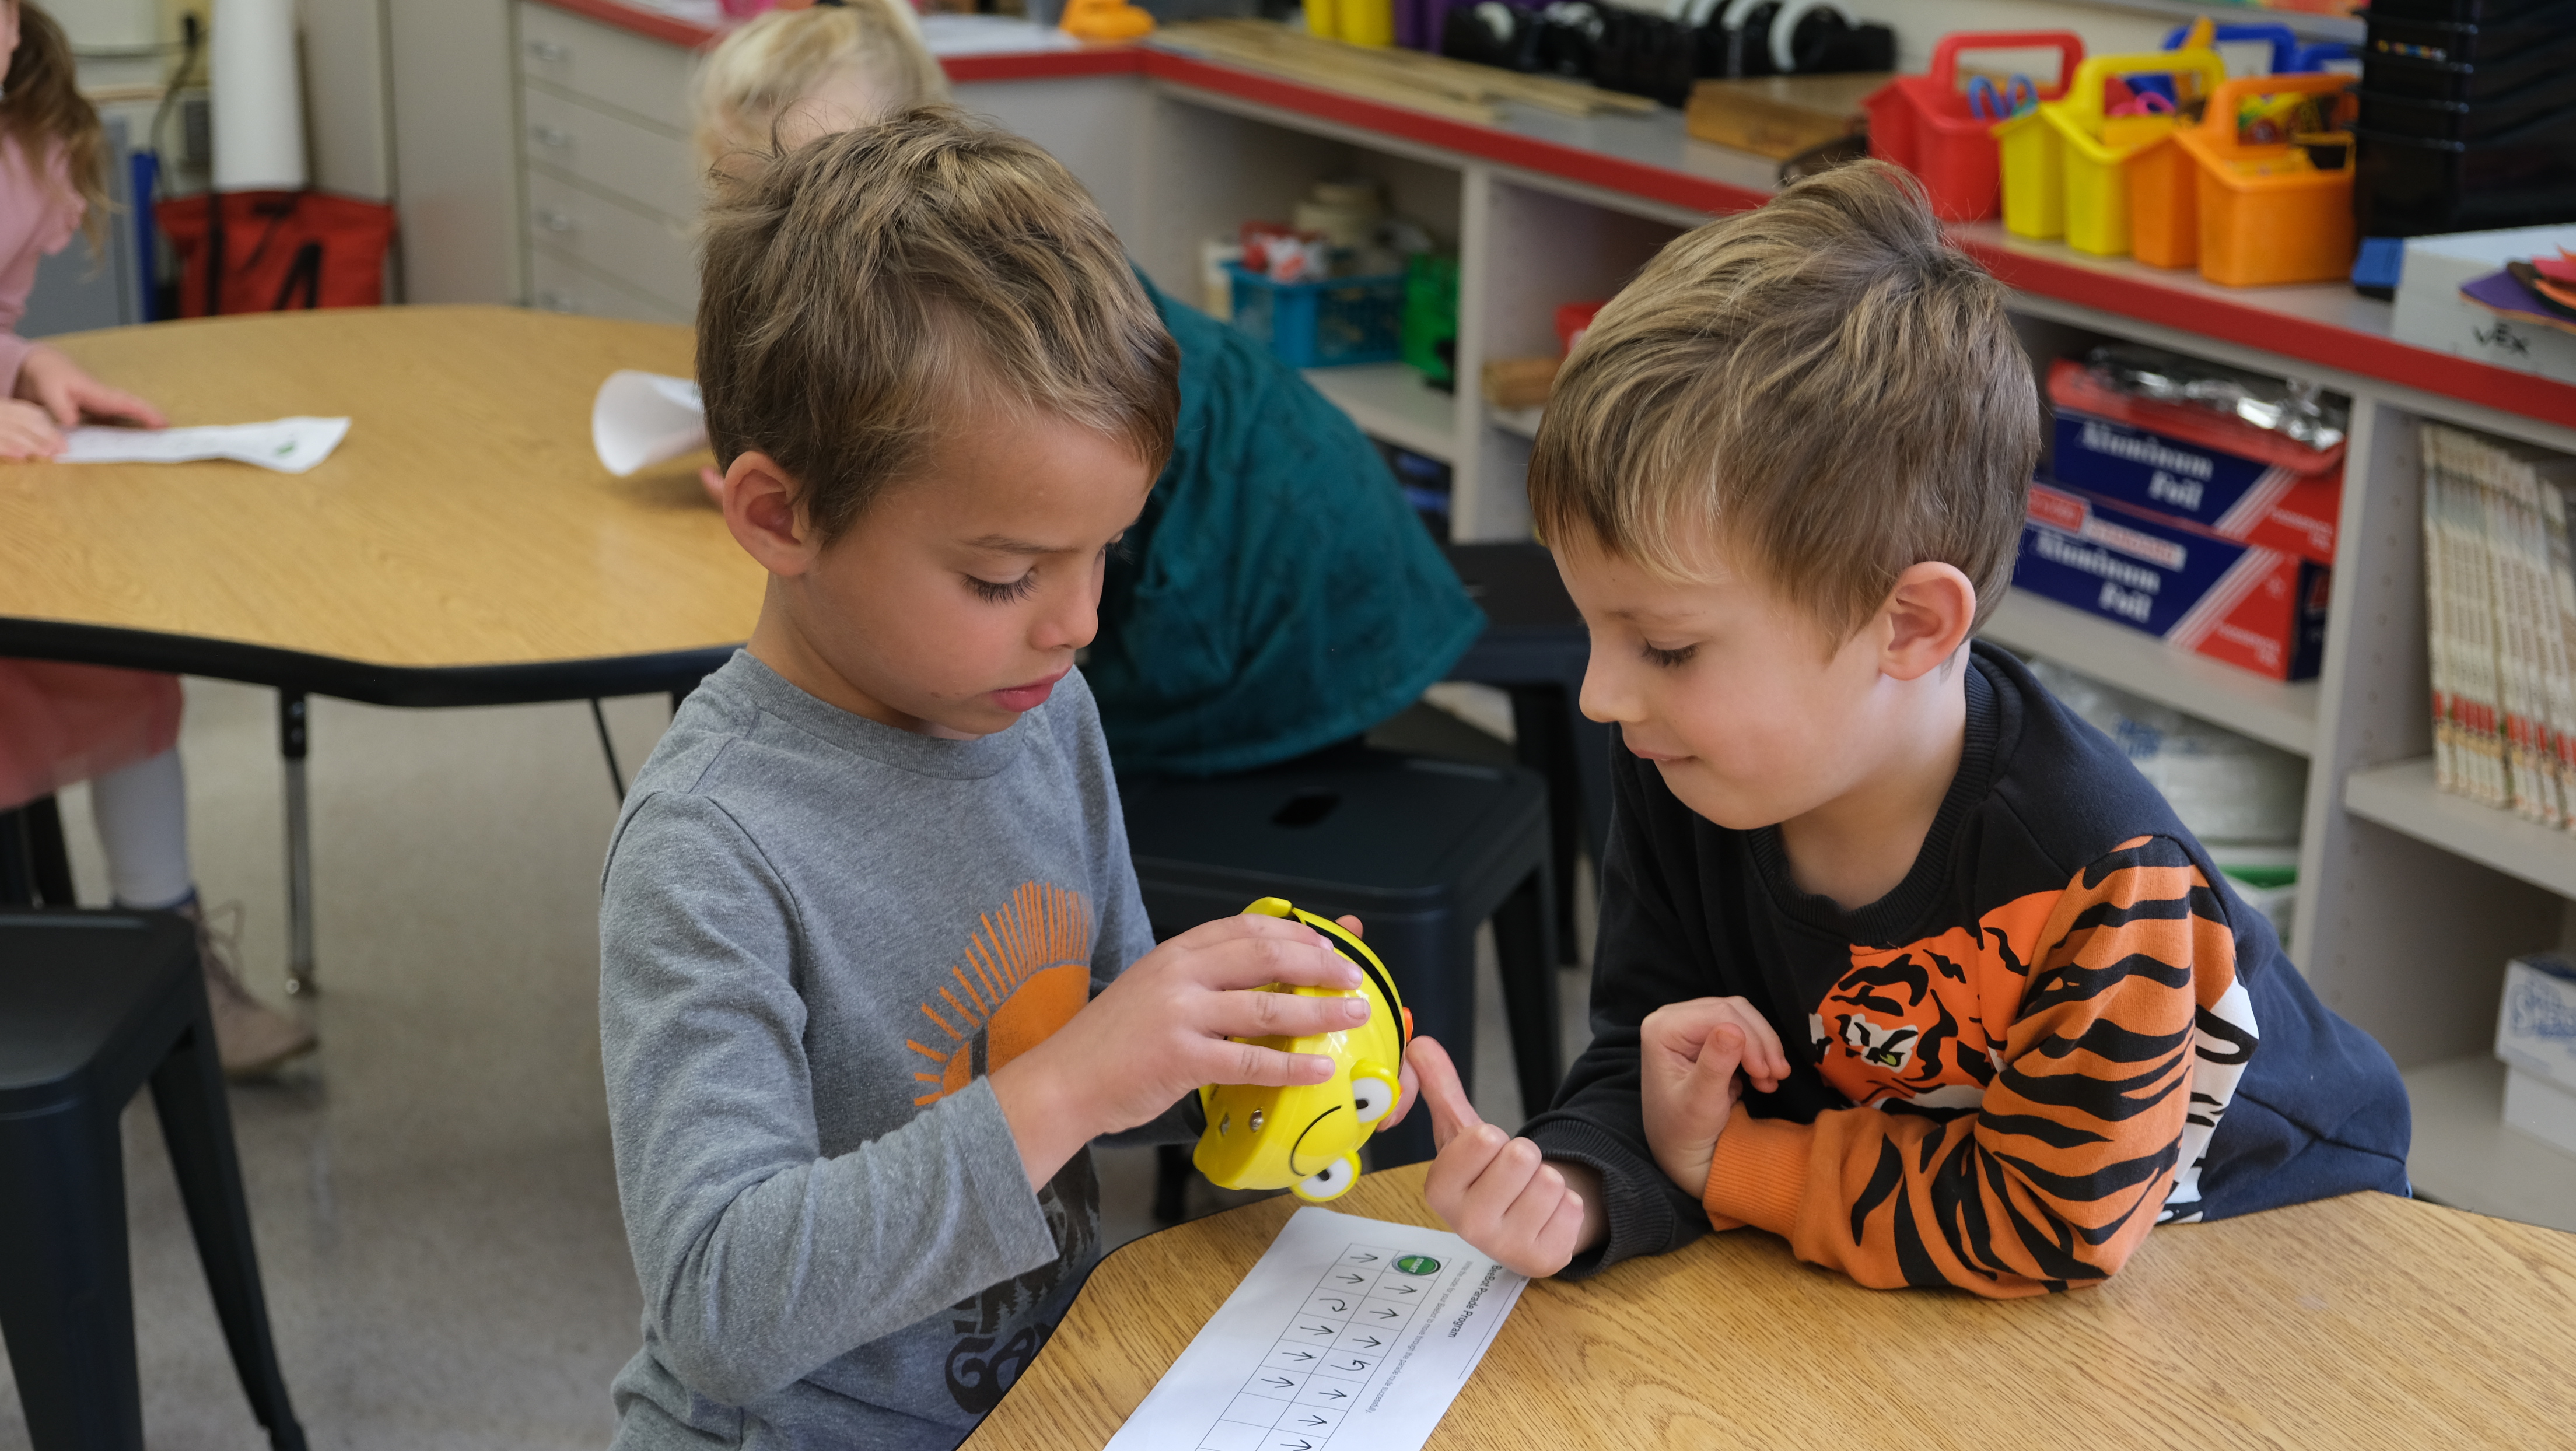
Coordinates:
[1441,1090]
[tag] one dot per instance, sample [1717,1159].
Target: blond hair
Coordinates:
[42,109]
[1825,384]
[860,294]
[751,80]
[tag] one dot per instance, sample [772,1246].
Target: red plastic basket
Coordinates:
[1923,123]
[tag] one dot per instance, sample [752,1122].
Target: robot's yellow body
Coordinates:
[1306,1138]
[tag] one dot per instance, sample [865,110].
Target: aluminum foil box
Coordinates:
[2258,608]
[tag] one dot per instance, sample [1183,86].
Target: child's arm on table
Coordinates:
[762,1259]
[2061,1171]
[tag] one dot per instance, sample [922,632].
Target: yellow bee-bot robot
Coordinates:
[1306,1138]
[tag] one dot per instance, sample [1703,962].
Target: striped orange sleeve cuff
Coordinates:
[1758,1175]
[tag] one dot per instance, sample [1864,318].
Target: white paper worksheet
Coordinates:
[1350,1335]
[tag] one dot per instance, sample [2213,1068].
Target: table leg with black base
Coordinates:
[292,739]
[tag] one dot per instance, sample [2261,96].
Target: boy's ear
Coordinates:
[760,509]
[1926,619]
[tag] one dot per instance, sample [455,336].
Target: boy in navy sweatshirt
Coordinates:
[1898,958]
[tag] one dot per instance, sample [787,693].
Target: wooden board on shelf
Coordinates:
[2273,712]
[2466,1157]
[1779,116]
[2402,797]
[1399,77]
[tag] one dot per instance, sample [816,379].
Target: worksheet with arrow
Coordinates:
[1351,1334]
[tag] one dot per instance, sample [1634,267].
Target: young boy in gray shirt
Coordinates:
[873,967]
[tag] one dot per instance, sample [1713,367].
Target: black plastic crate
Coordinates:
[2458,12]
[2443,80]
[2408,186]
[2466,120]
[2479,42]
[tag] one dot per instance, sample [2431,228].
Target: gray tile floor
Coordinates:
[436,1216]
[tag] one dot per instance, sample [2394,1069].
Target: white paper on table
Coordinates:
[288,445]
[641,419]
[1351,1334]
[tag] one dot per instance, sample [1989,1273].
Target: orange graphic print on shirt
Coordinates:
[1027,972]
[1922,1026]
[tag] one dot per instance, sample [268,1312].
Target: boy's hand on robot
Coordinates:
[1165,1025]
[1694,1058]
[1494,1190]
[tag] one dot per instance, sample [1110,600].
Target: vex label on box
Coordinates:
[2234,480]
[2254,607]
[2536,1027]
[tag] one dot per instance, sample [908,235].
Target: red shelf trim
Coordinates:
[642,22]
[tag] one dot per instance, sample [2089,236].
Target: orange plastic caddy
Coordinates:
[2267,213]
[1923,123]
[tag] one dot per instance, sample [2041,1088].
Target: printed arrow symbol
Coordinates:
[1383,1313]
[1339,1305]
[1317,1421]
[1278,1380]
[1355,1279]
[1356,1364]
[1363,1259]
[1336,1395]
[1401,1290]
[1370,1343]
[1302,1354]
[1302,1445]
[1316,1329]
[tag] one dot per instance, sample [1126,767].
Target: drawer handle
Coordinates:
[554,221]
[554,136]
[551,52]
[556,300]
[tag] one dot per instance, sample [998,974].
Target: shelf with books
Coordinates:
[2466,1157]
[2404,798]
[2271,711]
[1392,403]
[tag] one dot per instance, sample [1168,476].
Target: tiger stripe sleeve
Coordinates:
[2065,1164]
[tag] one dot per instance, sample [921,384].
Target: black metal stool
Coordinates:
[1535,647]
[92,1005]
[1421,850]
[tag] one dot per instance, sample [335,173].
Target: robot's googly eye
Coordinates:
[1255,1121]
[1330,1181]
[1225,1123]
[1371,1098]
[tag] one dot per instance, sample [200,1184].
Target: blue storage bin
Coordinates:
[1322,324]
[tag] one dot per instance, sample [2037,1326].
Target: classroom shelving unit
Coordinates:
[2412,900]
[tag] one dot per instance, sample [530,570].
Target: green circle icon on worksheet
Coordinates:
[1418,1264]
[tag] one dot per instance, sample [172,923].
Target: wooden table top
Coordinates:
[2361,1321]
[463,524]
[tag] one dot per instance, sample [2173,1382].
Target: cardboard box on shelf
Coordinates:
[2229,478]
[2431,313]
[2250,606]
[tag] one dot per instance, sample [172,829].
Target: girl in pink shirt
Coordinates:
[61,723]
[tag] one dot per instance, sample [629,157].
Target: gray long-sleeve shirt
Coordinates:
[817,935]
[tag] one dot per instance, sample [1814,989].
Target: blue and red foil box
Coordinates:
[2215,535]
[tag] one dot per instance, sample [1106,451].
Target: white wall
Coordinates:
[347,96]
[455,146]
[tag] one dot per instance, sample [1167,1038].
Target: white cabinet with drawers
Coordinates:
[612,188]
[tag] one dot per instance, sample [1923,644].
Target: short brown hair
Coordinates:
[1825,383]
[858,294]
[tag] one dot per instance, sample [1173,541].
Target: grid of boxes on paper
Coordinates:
[2501,603]
[1325,1360]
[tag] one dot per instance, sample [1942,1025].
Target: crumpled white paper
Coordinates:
[641,419]
[288,445]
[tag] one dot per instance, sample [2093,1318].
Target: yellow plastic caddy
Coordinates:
[2065,163]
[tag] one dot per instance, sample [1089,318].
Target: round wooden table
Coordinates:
[463,546]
